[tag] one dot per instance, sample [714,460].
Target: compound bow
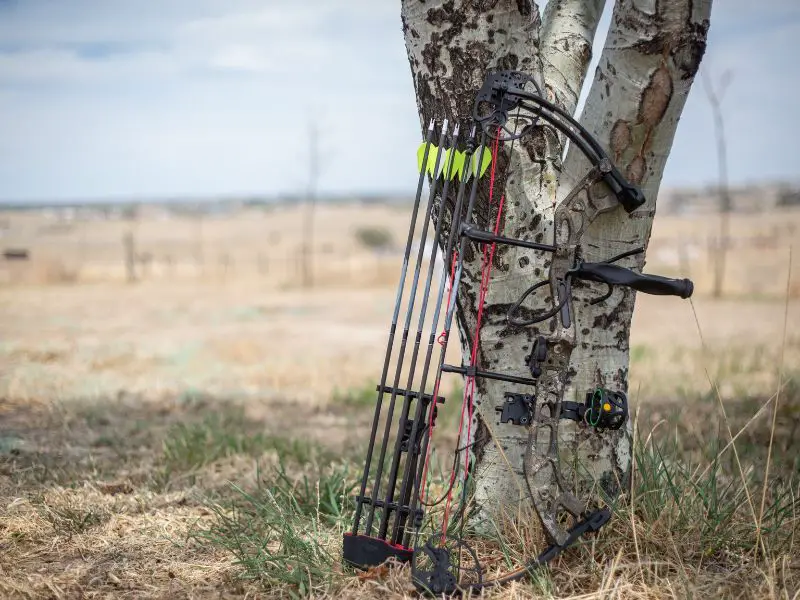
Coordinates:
[445,563]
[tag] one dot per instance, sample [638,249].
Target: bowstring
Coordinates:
[470,382]
[468,404]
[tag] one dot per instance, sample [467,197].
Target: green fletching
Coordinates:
[445,166]
[486,160]
[453,163]
[459,161]
[421,155]
[435,150]
[458,165]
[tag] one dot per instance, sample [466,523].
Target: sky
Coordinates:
[128,99]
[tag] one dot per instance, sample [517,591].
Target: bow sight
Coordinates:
[391,506]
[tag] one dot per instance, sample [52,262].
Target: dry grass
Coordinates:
[262,244]
[132,498]
[198,435]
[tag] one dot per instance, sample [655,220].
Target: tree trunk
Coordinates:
[652,54]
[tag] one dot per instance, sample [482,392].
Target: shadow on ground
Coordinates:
[100,496]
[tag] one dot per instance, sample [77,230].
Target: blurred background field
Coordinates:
[219,300]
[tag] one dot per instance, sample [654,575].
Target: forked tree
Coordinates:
[649,62]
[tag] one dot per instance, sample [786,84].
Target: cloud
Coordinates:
[204,97]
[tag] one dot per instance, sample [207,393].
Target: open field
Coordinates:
[127,409]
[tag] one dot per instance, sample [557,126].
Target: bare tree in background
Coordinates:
[199,255]
[651,56]
[311,199]
[714,93]
[131,214]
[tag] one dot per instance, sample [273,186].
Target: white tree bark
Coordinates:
[568,29]
[652,53]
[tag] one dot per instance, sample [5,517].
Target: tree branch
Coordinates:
[568,29]
[652,54]
[451,44]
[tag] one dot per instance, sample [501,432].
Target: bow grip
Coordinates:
[630,196]
[649,284]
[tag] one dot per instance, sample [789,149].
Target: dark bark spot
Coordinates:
[655,45]
[586,54]
[655,98]
[689,55]
[621,338]
[570,374]
[685,41]
[610,483]
[524,7]
[621,377]
[610,320]
[524,261]
[599,378]
[508,62]
[482,438]
[430,57]
[439,16]
[620,138]
[636,170]
[536,145]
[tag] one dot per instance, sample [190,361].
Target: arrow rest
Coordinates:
[396,505]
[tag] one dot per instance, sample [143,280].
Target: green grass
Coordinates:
[284,533]
[188,447]
[358,397]
[691,516]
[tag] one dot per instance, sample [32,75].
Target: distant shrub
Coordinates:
[374,238]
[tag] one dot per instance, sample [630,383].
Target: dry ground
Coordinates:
[125,410]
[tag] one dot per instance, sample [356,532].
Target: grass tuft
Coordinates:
[72,519]
[285,533]
[188,447]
